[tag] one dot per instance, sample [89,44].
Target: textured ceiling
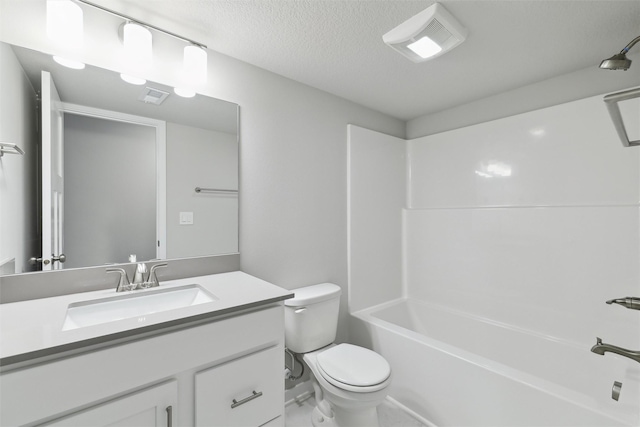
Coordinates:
[336,45]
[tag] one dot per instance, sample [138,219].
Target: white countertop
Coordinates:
[32,329]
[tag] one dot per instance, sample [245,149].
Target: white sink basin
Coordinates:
[135,304]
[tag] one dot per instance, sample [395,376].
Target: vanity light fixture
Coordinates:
[137,35]
[195,64]
[132,79]
[137,41]
[65,27]
[194,71]
[65,23]
[184,92]
[138,50]
[69,63]
[427,35]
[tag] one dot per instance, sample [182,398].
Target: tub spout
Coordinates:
[628,302]
[601,348]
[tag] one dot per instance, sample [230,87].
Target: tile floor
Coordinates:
[298,414]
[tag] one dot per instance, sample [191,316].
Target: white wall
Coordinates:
[377,194]
[530,220]
[201,158]
[18,186]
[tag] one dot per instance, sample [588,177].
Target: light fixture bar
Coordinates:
[137,21]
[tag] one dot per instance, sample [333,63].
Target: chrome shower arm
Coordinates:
[630,45]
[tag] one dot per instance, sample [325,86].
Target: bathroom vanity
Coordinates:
[213,363]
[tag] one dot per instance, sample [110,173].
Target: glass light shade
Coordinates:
[65,23]
[132,79]
[425,47]
[184,92]
[195,64]
[137,42]
[69,63]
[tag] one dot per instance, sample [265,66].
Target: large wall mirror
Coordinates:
[131,161]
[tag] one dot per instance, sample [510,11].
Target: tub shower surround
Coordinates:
[513,233]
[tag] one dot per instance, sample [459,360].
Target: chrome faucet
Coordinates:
[123,283]
[140,279]
[152,280]
[601,349]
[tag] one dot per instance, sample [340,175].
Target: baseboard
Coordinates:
[414,414]
[299,393]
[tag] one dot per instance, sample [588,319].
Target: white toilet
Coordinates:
[349,381]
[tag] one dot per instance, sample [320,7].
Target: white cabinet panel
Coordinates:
[33,394]
[244,392]
[151,407]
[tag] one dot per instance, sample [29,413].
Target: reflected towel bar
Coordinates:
[215,190]
[9,148]
[614,111]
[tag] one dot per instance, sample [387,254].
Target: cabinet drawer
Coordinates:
[244,392]
[276,422]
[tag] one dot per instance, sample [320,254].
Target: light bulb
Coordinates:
[195,65]
[184,92]
[69,63]
[137,42]
[425,47]
[64,23]
[132,79]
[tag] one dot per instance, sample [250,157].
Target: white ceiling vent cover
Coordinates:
[427,35]
[153,96]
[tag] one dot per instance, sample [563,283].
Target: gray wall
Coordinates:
[201,158]
[110,191]
[293,174]
[18,186]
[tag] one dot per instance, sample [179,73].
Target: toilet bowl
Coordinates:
[349,381]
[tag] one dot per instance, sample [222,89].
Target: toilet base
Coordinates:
[342,418]
[318,419]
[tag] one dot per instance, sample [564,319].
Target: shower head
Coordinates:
[619,61]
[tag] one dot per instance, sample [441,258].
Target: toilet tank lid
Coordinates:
[313,294]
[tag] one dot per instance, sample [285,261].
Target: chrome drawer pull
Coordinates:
[246,399]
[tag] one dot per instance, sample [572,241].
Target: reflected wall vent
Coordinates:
[153,96]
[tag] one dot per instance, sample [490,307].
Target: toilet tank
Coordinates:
[311,317]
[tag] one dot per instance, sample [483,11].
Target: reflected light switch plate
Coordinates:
[186,218]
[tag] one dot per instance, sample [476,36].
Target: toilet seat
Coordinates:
[353,368]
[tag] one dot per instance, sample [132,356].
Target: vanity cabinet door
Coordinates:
[152,407]
[248,391]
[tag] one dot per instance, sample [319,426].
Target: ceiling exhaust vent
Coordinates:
[427,35]
[153,96]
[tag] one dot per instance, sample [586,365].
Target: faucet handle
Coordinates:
[123,284]
[153,278]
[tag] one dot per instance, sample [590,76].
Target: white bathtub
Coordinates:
[454,369]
